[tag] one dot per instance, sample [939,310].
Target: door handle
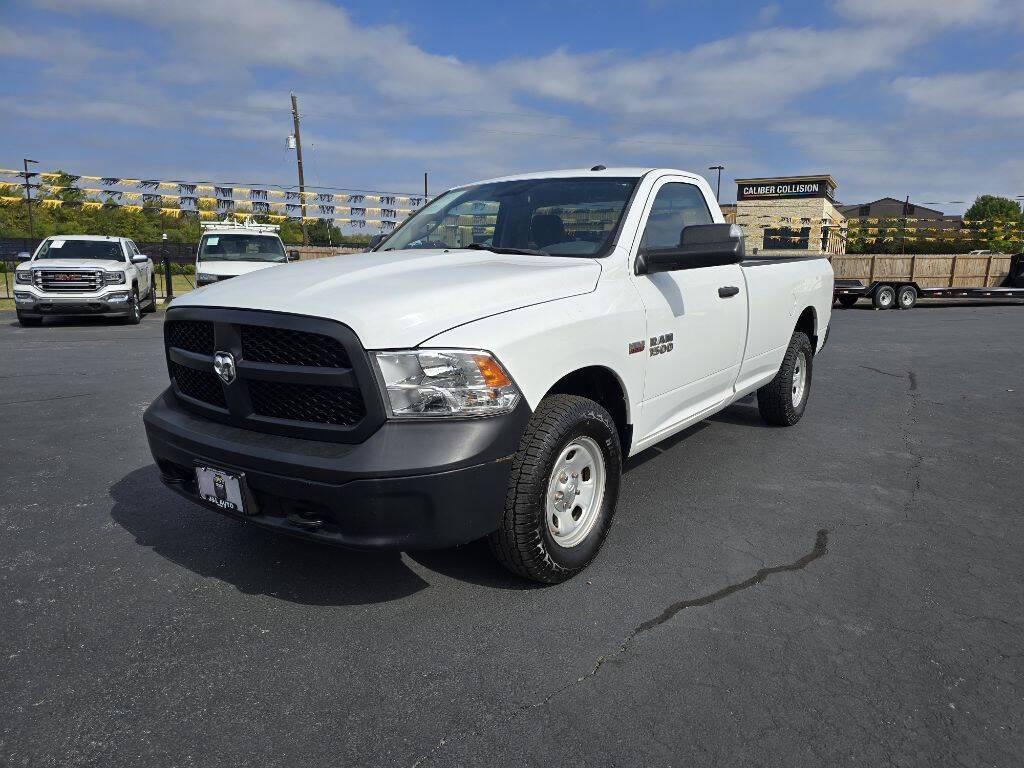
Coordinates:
[727,290]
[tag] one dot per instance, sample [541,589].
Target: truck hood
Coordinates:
[402,298]
[235,268]
[108,265]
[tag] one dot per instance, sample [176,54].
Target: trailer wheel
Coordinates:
[906,297]
[884,298]
[848,301]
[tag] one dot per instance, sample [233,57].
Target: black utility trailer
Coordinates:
[903,294]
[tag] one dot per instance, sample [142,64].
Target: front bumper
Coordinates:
[33,304]
[410,485]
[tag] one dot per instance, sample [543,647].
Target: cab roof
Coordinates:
[574,173]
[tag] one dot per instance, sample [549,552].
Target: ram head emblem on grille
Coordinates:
[224,366]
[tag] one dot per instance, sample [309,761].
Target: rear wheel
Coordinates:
[782,400]
[848,301]
[562,492]
[29,322]
[906,297]
[884,298]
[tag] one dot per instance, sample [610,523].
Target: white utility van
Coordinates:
[230,248]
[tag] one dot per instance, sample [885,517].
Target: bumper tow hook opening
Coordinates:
[307,523]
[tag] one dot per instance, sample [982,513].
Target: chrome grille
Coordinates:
[68,280]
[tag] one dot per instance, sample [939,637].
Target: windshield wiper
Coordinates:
[498,249]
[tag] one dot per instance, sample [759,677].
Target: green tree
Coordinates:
[996,223]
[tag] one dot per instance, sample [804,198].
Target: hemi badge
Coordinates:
[636,346]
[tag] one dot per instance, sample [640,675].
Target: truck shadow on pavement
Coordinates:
[259,562]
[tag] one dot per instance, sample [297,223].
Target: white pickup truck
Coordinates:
[486,369]
[84,275]
[230,248]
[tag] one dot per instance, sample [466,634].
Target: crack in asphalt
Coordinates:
[819,550]
[49,399]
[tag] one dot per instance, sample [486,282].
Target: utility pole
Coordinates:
[28,196]
[425,193]
[298,158]
[906,212]
[718,190]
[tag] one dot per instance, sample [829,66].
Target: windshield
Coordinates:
[241,248]
[59,248]
[557,217]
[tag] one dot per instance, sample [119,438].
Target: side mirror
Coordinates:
[24,256]
[375,241]
[700,245]
[140,258]
[293,255]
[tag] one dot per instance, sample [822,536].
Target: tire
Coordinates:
[565,432]
[777,400]
[151,305]
[29,322]
[135,311]
[906,297]
[848,301]
[884,298]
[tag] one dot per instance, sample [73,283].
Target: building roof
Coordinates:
[848,209]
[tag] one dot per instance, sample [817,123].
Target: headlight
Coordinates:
[24,277]
[203,278]
[445,382]
[113,278]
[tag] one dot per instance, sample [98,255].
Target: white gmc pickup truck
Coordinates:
[486,368]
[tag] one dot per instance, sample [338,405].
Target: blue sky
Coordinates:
[893,97]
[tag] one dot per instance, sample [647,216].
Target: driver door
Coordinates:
[696,318]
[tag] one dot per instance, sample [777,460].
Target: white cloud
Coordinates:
[922,13]
[977,94]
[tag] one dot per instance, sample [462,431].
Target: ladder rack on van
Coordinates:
[248,224]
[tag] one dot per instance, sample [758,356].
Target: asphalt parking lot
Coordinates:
[848,591]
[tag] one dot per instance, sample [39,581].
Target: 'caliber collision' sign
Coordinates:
[781,190]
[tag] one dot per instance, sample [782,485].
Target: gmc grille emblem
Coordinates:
[224,366]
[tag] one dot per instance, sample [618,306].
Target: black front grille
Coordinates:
[200,385]
[297,376]
[307,402]
[283,346]
[190,335]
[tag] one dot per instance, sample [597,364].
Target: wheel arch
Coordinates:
[603,385]
[808,323]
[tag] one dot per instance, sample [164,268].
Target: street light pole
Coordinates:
[718,190]
[28,196]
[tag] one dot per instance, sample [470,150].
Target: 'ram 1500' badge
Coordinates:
[661,345]
[224,366]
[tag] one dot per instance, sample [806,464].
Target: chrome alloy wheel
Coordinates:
[575,492]
[799,379]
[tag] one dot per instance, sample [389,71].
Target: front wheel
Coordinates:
[562,491]
[782,400]
[134,310]
[847,300]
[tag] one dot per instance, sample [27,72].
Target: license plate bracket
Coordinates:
[223,489]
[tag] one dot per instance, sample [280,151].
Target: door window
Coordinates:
[677,205]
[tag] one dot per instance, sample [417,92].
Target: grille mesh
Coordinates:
[200,385]
[190,335]
[282,346]
[307,402]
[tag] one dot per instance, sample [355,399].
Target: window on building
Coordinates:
[787,238]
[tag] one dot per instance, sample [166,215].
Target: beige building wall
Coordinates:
[817,214]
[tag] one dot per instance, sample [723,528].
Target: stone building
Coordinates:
[784,214]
